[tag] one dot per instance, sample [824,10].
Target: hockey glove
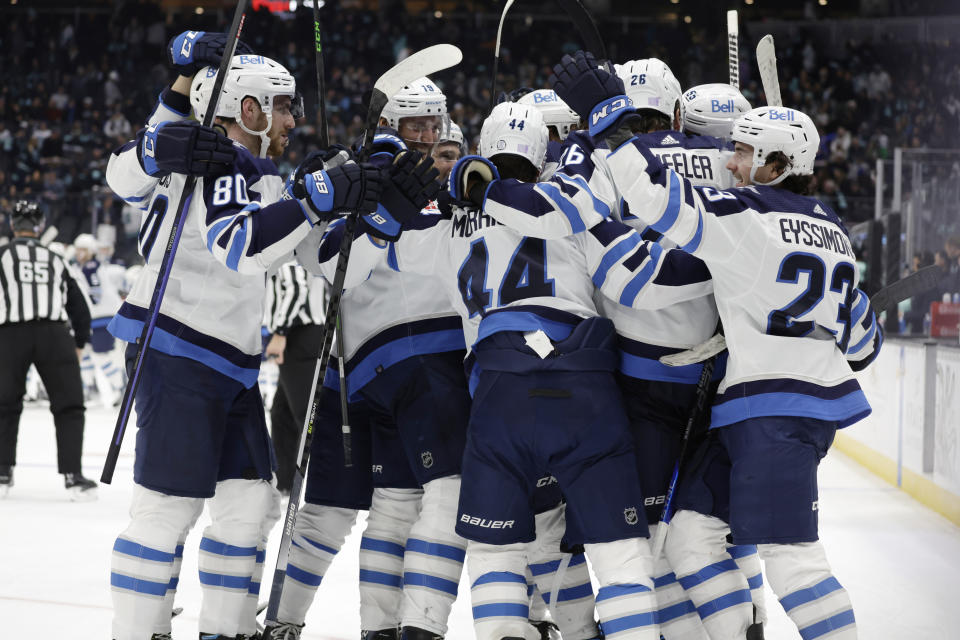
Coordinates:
[410,183]
[184,147]
[349,187]
[334,156]
[591,90]
[469,179]
[191,51]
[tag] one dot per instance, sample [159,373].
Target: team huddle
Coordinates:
[504,316]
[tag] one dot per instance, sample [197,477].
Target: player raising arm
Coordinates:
[785,283]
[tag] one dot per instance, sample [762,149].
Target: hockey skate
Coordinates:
[6,481]
[161,636]
[382,634]
[416,633]
[283,631]
[80,489]
[546,629]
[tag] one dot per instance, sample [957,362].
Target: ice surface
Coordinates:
[899,560]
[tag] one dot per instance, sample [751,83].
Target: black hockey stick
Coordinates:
[586,27]
[496,55]
[324,143]
[146,335]
[703,390]
[422,63]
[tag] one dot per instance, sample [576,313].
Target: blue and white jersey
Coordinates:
[500,280]
[101,284]
[236,227]
[389,316]
[785,280]
[645,335]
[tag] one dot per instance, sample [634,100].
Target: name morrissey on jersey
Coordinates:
[802,231]
[688,165]
[469,221]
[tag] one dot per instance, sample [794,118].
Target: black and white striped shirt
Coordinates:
[37,284]
[294,298]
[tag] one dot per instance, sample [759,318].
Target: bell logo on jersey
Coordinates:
[786,116]
[630,515]
[718,106]
[486,524]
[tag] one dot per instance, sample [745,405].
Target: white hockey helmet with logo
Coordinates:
[516,129]
[257,77]
[710,109]
[419,98]
[454,134]
[556,112]
[768,129]
[650,84]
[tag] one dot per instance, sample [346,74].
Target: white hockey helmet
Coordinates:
[516,129]
[768,129]
[256,77]
[87,242]
[419,98]
[454,134]
[710,109]
[556,112]
[650,84]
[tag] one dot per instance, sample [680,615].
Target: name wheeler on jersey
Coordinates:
[786,286]
[214,300]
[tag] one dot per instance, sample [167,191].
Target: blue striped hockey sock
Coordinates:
[225,576]
[625,600]
[747,558]
[498,590]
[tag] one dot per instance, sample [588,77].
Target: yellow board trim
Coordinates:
[919,487]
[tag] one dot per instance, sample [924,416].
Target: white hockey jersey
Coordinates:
[236,227]
[785,280]
[101,283]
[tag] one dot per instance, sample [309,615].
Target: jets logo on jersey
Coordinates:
[630,515]
[669,139]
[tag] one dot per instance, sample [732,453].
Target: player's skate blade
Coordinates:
[80,489]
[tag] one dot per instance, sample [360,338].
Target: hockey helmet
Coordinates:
[556,112]
[27,216]
[454,134]
[710,109]
[768,129]
[516,129]
[257,77]
[650,84]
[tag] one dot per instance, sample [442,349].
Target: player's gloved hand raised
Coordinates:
[591,91]
[190,51]
[349,187]
[184,147]
[469,179]
[334,156]
[410,183]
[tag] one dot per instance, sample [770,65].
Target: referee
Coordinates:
[295,308]
[38,294]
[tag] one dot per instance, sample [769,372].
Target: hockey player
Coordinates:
[793,345]
[542,361]
[201,426]
[451,148]
[404,347]
[560,120]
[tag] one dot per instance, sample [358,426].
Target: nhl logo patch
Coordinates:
[501,145]
[630,515]
[426,458]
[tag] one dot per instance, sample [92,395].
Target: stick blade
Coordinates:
[422,63]
[733,23]
[701,352]
[767,62]
[916,283]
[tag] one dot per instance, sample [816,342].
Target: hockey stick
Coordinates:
[733,47]
[767,62]
[496,55]
[914,284]
[324,143]
[703,390]
[586,27]
[186,196]
[421,63]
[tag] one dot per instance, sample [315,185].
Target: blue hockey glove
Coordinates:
[334,156]
[191,51]
[410,183]
[349,187]
[590,90]
[469,179]
[184,147]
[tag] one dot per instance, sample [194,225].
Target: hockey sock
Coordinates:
[696,549]
[747,558]
[164,619]
[625,600]
[676,614]
[433,558]
[498,590]
[573,610]
[248,623]
[392,514]
[800,576]
[317,538]
[538,608]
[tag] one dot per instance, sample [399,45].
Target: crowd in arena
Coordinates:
[76,99]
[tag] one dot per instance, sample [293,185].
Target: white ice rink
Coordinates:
[899,560]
